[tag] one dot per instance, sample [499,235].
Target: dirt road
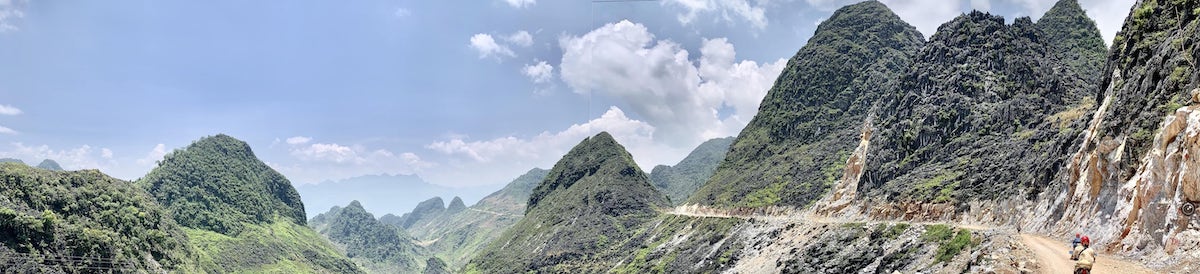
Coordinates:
[1053,258]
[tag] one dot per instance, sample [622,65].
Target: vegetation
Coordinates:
[595,192]
[681,180]
[57,219]
[280,246]
[377,247]
[815,109]
[218,184]
[458,236]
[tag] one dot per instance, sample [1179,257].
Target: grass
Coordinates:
[766,196]
[939,188]
[1064,118]
[266,248]
[950,243]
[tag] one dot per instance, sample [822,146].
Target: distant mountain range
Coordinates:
[382,194]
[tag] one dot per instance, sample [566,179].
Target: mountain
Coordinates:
[219,185]
[47,217]
[459,234]
[1076,39]
[1133,174]
[11,160]
[384,194]
[377,247]
[240,214]
[425,210]
[964,111]
[681,180]
[807,125]
[456,205]
[593,197]
[48,164]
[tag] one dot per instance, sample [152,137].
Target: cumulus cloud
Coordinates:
[82,157]
[6,130]
[521,3]
[106,153]
[319,161]
[487,47]
[660,83]
[9,110]
[539,73]
[520,38]
[154,155]
[11,10]
[298,140]
[508,156]
[754,14]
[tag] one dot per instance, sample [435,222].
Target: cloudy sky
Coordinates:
[462,93]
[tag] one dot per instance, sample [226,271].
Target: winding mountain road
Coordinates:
[1051,255]
[1053,258]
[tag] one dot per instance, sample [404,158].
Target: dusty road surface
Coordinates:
[1053,258]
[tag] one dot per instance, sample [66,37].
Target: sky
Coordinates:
[461,93]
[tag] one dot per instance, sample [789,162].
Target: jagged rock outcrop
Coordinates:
[807,125]
[981,94]
[1076,39]
[425,210]
[1135,166]
[595,197]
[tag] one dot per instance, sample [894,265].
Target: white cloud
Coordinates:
[402,12]
[9,110]
[754,14]
[487,47]
[154,155]
[326,161]
[502,158]
[106,153]
[6,130]
[539,73]
[83,157]
[11,10]
[983,5]
[661,84]
[298,140]
[520,38]
[521,3]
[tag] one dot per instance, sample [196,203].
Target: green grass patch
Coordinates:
[767,196]
[947,250]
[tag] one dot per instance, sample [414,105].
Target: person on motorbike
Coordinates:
[1084,256]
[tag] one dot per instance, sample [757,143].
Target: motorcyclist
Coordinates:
[1085,257]
[1074,244]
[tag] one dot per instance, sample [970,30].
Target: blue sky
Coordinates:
[462,93]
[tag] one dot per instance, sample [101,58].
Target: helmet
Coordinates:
[1086,241]
[1076,235]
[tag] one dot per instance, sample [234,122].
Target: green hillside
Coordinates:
[593,199]
[809,122]
[682,179]
[456,237]
[220,185]
[54,221]
[377,247]
[241,215]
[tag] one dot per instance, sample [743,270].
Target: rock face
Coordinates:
[806,127]
[217,184]
[1136,164]
[593,197]
[425,210]
[981,94]
[1076,39]
[682,179]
